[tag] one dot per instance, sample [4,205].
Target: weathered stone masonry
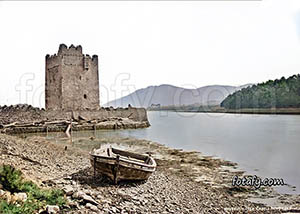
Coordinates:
[72,80]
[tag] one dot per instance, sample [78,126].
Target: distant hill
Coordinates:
[280,93]
[169,95]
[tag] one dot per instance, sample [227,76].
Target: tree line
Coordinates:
[279,93]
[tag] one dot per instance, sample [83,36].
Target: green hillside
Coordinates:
[283,93]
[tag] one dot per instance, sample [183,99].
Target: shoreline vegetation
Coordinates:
[24,196]
[185,181]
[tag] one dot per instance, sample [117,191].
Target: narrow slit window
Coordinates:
[86,63]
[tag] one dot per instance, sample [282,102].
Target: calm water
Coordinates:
[263,145]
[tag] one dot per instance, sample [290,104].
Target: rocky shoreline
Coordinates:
[185,182]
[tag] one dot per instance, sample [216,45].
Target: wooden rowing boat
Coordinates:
[122,165]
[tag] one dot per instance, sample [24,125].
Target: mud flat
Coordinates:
[185,182]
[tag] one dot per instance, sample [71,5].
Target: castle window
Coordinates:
[86,63]
[80,77]
[84,96]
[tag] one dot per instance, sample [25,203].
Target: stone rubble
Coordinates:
[51,209]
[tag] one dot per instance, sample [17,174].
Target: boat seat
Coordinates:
[147,161]
[109,152]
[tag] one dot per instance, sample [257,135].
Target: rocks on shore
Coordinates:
[23,107]
[171,189]
[52,209]
[20,112]
[13,198]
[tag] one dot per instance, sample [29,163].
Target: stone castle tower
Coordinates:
[72,80]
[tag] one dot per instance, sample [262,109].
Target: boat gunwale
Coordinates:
[152,166]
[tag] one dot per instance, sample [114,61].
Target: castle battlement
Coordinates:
[50,58]
[71,51]
[93,58]
[63,49]
[72,80]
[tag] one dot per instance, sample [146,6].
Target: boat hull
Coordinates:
[123,172]
[119,168]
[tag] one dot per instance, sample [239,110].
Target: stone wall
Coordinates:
[26,113]
[72,80]
[25,119]
[53,95]
[135,114]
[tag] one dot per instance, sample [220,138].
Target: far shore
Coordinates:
[284,111]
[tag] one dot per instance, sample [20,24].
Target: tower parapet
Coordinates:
[63,49]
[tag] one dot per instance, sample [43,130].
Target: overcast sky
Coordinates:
[188,44]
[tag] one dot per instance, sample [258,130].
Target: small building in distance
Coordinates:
[155,106]
[72,80]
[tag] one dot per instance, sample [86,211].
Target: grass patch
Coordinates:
[12,180]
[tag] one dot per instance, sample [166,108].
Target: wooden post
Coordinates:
[94,126]
[116,169]
[129,115]
[68,130]
[95,167]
